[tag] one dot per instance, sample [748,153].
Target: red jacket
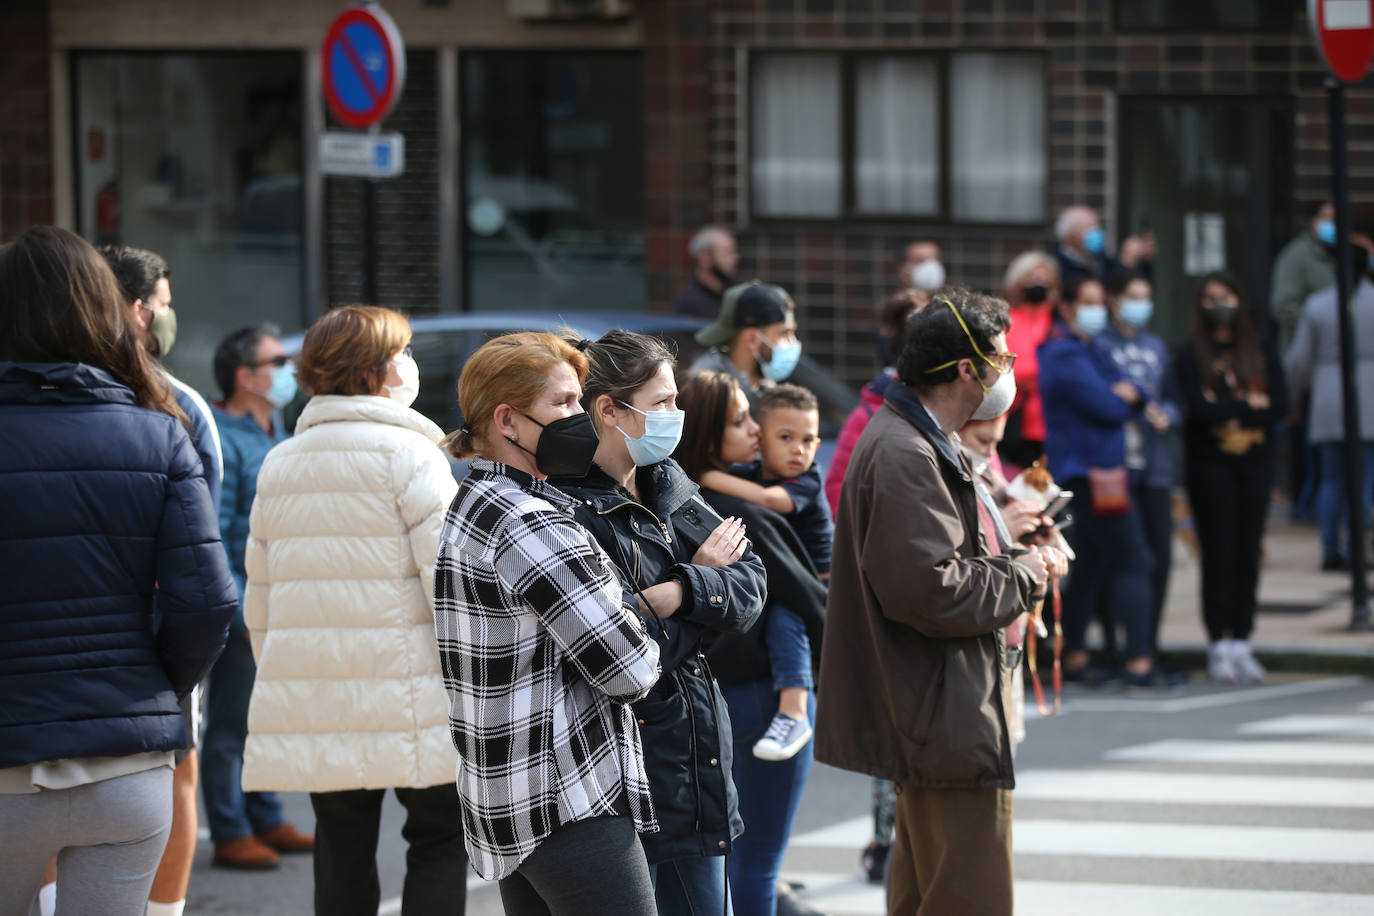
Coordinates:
[1030,325]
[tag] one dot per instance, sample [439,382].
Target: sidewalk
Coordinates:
[1303,613]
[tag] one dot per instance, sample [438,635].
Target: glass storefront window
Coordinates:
[197,156]
[553,181]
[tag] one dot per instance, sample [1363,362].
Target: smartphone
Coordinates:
[1059,503]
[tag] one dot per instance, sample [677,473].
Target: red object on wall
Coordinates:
[95,144]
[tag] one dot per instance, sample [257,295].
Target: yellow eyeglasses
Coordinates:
[1004,361]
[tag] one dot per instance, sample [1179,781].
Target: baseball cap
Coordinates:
[746,305]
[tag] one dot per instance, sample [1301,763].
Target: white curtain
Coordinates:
[897,148]
[795,115]
[997,137]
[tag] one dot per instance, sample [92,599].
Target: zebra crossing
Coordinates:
[1272,814]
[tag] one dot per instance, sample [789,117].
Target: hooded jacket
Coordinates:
[914,654]
[107,519]
[683,722]
[344,538]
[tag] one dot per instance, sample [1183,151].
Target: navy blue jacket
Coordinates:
[1145,360]
[245,445]
[1085,424]
[106,511]
[683,722]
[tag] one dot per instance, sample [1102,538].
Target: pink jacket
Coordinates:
[870,399]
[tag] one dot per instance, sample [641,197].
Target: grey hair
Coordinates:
[705,239]
[1069,218]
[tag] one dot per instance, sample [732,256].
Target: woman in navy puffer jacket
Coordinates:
[115,595]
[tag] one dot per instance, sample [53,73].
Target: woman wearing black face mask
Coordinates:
[1233,391]
[1032,286]
[540,642]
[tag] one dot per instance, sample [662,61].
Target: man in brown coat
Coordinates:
[922,583]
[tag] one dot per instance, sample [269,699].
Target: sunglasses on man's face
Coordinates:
[276,362]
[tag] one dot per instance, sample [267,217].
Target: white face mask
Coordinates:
[928,275]
[997,400]
[409,389]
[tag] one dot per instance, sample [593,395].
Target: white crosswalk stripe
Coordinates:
[1247,816]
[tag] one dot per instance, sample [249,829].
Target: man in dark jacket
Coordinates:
[922,582]
[715,258]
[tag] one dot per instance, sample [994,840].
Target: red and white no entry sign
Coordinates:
[1343,31]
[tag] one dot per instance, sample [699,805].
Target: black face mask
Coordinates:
[1218,316]
[1036,293]
[726,280]
[566,446]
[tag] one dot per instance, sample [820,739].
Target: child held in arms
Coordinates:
[787,480]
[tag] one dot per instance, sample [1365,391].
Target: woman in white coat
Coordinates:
[340,605]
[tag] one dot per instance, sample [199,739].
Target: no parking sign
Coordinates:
[364,64]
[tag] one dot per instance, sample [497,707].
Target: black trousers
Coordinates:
[591,866]
[346,828]
[1230,499]
[1157,518]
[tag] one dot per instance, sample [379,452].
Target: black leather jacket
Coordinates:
[683,721]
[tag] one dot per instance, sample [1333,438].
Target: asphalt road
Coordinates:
[1205,800]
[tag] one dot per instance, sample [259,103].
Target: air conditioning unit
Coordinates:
[570,9]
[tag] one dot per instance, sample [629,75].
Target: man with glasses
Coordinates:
[754,338]
[924,577]
[248,829]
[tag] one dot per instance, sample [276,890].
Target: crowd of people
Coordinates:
[597,668]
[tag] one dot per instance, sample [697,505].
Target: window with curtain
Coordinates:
[958,137]
[897,136]
[996,137]
[796,137]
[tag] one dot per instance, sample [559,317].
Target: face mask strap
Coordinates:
[955,362]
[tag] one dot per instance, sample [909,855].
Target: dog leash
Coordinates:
[1057,677]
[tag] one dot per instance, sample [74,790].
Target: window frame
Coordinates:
[849,59]
[1276,30]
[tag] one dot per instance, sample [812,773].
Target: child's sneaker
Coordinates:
[785,736]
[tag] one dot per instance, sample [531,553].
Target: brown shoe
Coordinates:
[246,852]
[286,838]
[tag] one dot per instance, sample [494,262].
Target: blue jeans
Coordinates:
[691,887]
[789,649]
[769,794]
[1113,557]
[232,812]
[1332,505]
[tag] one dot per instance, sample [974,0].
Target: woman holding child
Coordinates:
[766,673]
[695,578]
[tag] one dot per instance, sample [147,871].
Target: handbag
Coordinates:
[1111,490]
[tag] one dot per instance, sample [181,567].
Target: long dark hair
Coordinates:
[706,398]
[1245,359]
[61,303]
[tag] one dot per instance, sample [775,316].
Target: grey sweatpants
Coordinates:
[108,837]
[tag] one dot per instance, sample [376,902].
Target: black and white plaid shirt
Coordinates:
[542,655]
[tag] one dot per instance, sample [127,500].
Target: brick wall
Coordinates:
[25,117]
[839,272]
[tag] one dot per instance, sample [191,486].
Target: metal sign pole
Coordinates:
[369,241]
[1359,585]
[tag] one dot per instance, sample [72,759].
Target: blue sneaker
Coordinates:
[785,736]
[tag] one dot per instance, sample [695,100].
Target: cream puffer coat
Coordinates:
[343,539]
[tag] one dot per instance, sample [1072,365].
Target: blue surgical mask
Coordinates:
[662,433]
[783,362]
[1095,240]
[1326,232]
[1137,312]
[283,385]
[1091,319]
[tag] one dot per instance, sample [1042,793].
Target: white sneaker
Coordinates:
[1248,669]
[1221,666]
[785,736]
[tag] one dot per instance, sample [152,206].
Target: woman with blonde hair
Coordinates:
[543,648]
[340,605]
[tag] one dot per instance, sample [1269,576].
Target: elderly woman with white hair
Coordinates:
[1031,284]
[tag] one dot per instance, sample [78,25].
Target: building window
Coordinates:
[955,137]
[553,180]
[1207,15]
[197,156]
